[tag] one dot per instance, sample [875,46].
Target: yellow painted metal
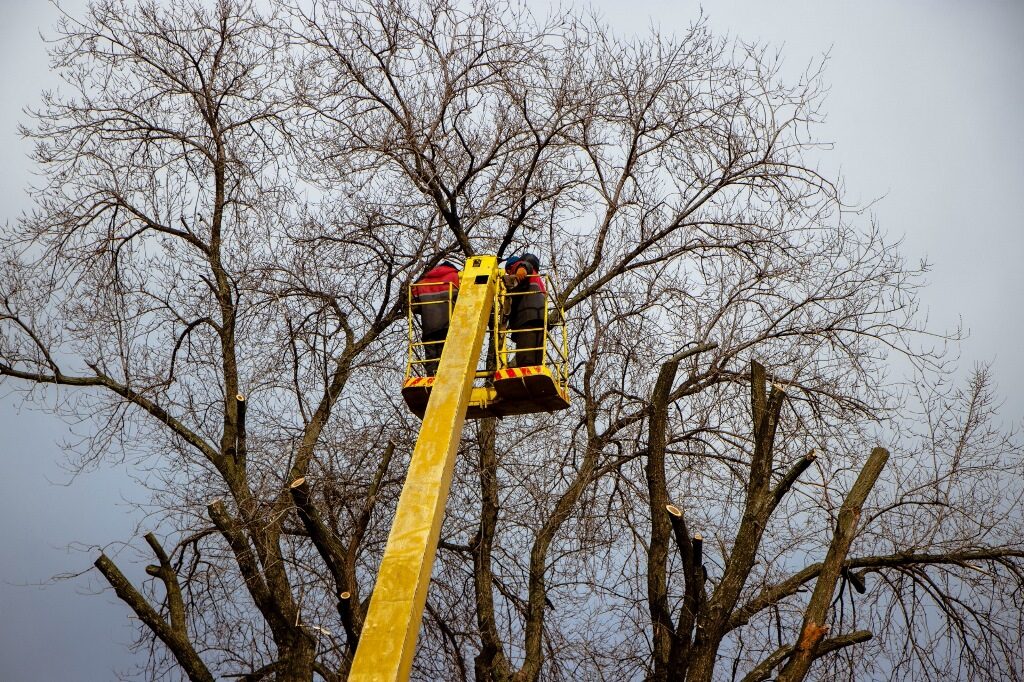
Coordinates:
[388,640]
[483,396]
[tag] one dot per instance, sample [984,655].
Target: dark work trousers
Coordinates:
[534,339]
[432,351]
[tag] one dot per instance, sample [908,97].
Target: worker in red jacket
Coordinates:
[433,295]
[526,315]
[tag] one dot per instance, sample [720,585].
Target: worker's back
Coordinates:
[433,294]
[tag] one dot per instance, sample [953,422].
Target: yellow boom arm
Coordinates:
[388,639]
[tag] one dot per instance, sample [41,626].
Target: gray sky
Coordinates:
[925,109]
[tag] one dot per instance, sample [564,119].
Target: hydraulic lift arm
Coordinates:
[388,640]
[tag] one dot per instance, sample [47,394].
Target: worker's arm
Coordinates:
[522,272]
[514,279]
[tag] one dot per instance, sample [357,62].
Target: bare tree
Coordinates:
[234,202]
[168,275]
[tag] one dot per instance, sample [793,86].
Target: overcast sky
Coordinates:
[925,110]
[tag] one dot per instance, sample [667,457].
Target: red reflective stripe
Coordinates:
[428,288]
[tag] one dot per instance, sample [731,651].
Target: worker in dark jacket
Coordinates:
[430,296]
[526,315]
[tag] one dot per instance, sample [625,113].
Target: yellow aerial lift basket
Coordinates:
[502,386]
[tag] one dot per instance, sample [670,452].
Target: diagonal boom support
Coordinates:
[388,640]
